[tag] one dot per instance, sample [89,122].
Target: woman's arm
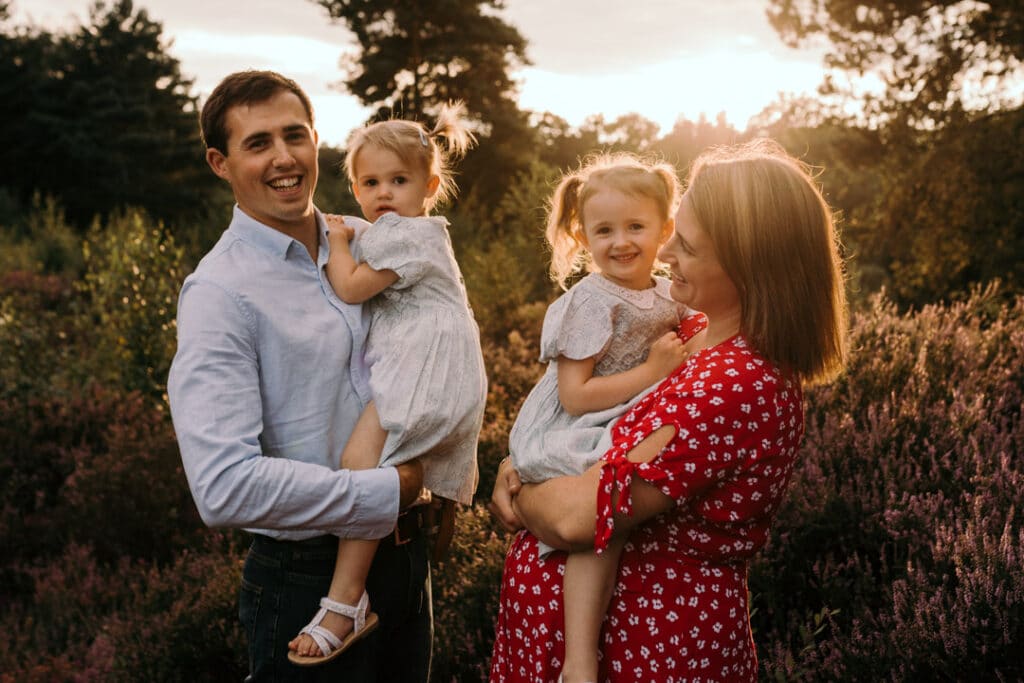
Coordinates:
[562,512]
[580,392]
[353,282]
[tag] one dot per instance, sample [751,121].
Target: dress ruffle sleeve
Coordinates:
[397,243]
[577,325]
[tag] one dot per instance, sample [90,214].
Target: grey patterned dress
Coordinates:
[426,370]
[595,319]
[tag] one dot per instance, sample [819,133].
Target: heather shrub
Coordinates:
[98,468]
[901,526]
[90,622]
[40,334]
[512,370]
[465,588]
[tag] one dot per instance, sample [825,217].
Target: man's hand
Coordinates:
[506,486]
[410,482]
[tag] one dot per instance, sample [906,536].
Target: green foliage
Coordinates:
[41,242]
[414,56]
[937,59]
[953,216]
[132,279]
[101,118]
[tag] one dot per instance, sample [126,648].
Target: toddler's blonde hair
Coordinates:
[417,146]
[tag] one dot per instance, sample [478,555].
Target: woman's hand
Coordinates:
[506,486]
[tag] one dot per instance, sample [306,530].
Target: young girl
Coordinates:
[608,338]
[427,379]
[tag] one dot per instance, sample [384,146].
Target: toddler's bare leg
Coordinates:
[354,555]
[588,584]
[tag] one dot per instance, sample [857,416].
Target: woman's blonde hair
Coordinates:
[775,236]
[417,146]
[623,172]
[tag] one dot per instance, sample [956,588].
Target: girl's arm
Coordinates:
[561,511]
[580,392]
[353,282]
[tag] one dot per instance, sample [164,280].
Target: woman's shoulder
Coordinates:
[732,367]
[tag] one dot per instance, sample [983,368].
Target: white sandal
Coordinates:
[363,623]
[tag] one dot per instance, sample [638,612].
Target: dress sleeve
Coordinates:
[577,325]
[402,245]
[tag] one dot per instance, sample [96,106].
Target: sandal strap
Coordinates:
[324,639]
[357,612]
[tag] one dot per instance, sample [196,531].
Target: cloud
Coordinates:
[583,36]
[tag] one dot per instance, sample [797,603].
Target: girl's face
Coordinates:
[622,234]
[385,183]
[698,279]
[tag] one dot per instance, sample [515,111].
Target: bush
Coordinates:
[92,623]
[100,468]
[465,588]
[133,275]
[902,522]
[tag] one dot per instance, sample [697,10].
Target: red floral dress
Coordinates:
[679,611]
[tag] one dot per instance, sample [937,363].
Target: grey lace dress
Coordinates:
[595,318]
[427,374]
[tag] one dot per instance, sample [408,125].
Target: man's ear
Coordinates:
[433,183]
[218,162]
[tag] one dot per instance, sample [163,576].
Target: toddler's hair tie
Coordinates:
[423,138]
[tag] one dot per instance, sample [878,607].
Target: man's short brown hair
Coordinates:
[243,88]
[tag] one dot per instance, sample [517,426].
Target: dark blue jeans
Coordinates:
[282,584]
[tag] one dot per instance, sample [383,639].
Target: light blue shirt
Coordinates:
[265,388]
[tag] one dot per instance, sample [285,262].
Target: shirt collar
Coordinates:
[268,239]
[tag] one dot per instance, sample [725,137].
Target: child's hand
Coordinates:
[667,354]
[337,230]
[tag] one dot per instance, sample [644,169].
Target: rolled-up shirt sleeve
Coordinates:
[216,404]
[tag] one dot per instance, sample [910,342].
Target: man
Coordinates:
[266,386]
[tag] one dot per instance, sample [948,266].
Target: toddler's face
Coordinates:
[623,233]
[385,183]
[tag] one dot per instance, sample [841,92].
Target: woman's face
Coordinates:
[698,279]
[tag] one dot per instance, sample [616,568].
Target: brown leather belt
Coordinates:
[411,523]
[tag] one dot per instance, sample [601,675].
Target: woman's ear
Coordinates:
[667,230]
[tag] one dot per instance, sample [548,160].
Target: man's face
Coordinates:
[271,162]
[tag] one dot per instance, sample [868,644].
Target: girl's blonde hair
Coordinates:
[775,236]
[417,146]
[625,173]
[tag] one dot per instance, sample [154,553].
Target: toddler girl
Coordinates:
[427,379]
[606,340]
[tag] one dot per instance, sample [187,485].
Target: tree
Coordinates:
[417,54]
[937,59]
[109,122]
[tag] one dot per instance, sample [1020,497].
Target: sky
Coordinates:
[662,59]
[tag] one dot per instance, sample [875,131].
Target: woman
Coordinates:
[698,467]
